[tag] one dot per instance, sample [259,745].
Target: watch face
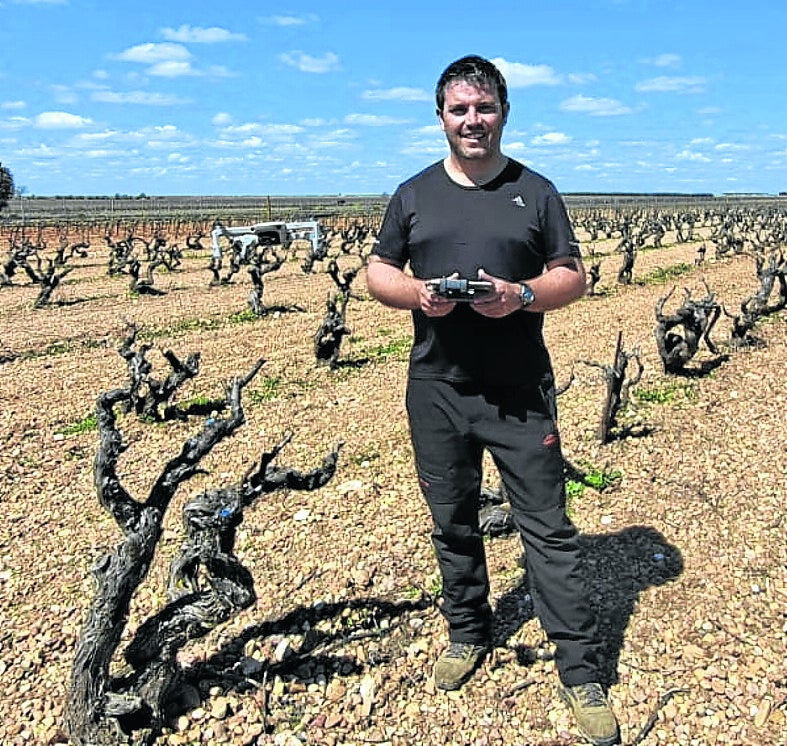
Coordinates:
[526,294]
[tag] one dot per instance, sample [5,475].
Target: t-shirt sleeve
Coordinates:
[560,239]
[392,239]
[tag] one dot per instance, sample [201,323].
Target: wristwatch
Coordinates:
[526,294]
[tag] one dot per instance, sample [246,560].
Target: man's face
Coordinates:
[473,119]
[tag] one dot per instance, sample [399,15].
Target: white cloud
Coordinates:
[425,148]
[551,138]
[172,69]
[316,122]
[596,107]
[308,64]
[731,146]
[668,84]
[270,130]
[221,119]
[155,136]
[170,60]
[90,137]
[692,155]
[150,53]
[341,134]
[243,129]
[581,78]
[102,153]
[334,139]
[401,93]
[139,97]
[198,35]
[39,151]
[164,130]
[668,59]
[154,172]
[219,71]
[13,105]
[519,75]
[291,20]
[14,123]
[372,120]
[51,120]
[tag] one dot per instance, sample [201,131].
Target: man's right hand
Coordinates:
[397,289]
[433,304]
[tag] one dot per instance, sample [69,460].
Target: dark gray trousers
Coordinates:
[451,425]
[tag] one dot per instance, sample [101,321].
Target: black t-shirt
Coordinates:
[511,227]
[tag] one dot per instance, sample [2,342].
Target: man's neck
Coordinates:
[474,173]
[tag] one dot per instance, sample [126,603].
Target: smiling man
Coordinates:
[480,376]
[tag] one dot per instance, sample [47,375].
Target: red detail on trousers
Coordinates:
[550,440]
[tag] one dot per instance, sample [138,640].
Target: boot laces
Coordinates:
[460,650]
[591,695]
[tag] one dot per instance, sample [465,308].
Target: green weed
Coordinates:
[85,425]
[245,316]
[63,347]
[412,593]
[181,326]
[434,584]
[602,480]
[661,275]
[195,401]
[669,392]
[397,349]
[574,490]
[590,476]
[200,325]
[267,389]
[58,348]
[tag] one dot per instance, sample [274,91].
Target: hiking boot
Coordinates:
[457,663]
[595,719]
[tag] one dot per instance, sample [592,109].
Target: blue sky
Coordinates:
[298,97]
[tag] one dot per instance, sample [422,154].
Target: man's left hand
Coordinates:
[503,300]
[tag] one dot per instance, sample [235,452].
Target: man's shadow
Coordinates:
[614,570]
[374,620]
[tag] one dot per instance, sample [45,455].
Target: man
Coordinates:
[480,376]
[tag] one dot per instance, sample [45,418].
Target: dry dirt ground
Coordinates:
[686,552]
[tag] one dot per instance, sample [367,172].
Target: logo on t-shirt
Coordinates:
[519,201]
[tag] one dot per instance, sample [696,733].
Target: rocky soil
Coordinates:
[686,560]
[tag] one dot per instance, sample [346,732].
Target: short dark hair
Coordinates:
[475,70]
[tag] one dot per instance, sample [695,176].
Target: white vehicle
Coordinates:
[274,233]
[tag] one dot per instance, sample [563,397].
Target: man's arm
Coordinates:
[395,288]
[562,282]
